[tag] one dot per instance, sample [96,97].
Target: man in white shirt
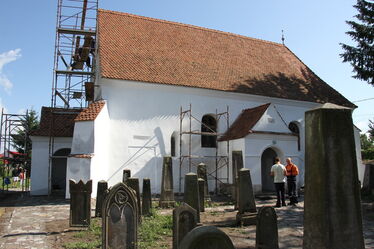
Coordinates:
[279,172]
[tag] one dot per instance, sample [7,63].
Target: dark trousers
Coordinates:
[291,185]
[279,188]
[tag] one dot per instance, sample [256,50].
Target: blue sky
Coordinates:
[313,31]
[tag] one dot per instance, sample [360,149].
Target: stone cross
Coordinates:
[202,173]
[184,220]
[120,218]
[167,188]
[80,203]
[267,229]
[332,208]
[133,183]
[125,175]
[102,187]
[146,197]
[206,237]
[191,192]
[246,200]
[201,184]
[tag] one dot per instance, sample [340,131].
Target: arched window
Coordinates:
[294,128]
[208,125]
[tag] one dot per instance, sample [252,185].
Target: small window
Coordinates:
[208,125]
[294,128]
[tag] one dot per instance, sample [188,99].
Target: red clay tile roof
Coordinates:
[63,122]
[151,50]
[244,123]
[91,112]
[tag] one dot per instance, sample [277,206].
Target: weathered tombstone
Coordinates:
[120,218]
[267,229]
[167,190]
[184,220]
[201,184]
[133,183]
[332,208]
[80,203]
[146,197]
[246,200]
[125,175]
[237,164]
[202,173]
[206,237]
[368,184]
[102,187]
[191,192]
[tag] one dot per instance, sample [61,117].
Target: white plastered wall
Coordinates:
[40,161]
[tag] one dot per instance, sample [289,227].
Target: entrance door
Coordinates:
[267,160]
[58,174]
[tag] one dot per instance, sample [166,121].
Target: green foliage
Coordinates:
[361,56]
[83,245]
[21,140]
[367,147]
[153,230]
[371,130]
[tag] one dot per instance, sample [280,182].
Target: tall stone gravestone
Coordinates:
[202,173]
[146,197]
[246,200]
[237,164]
[191,192]
[368,184]
[201,184]
[80,203]
[102,187]
[120,218]
[332,210]
[125,175]
[206,237]
[184,220]
[267,229]
[167,188]
[133,183]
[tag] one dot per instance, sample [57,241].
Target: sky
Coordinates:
[312,30]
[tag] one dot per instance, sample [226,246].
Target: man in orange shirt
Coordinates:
[292,172]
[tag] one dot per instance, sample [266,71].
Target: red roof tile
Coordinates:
[91,112]
[150,50]
[244,123]
[63,120]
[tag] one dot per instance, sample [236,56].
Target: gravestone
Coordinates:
[120,218]
[184,220]
[246,200]
[102,187]
[146,197]
[206,237]
[80,203]
[167,192]
[332,208]
[368,184]
[201,184]
[133,183]
[237,164]
[125,175]
[202,173]
[191,192]
[267,229]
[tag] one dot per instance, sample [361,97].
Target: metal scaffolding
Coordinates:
[9,124]
[74,61]
[221,161]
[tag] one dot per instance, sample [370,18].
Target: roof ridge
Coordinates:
[190,26]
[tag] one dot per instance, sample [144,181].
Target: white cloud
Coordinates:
[6,58]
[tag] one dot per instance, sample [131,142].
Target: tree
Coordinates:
[28,123]
[361,56]
[371,130]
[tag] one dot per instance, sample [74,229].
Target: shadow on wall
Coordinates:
[291,87]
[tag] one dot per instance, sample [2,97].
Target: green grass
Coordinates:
[87,239]
[154,230]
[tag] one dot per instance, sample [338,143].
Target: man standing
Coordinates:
[292,172]
[279,173]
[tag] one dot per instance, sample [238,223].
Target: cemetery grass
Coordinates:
[85,239]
